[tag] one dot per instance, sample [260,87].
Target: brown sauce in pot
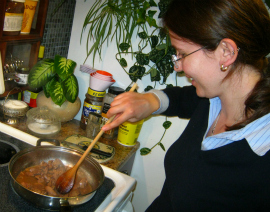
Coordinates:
[41,179]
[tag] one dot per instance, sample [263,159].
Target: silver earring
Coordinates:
[223,68]
[233,52]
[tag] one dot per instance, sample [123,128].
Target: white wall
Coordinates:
[147,170]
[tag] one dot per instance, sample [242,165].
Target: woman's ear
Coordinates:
[228,52]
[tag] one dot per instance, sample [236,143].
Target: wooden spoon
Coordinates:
[65,182]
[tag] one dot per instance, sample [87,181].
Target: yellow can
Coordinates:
[128,133]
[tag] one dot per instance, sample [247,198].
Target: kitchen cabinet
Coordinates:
[23,47]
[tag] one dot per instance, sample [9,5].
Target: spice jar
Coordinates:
[13,17]
[109,97]
[22,76]
[93,125]
[92,103]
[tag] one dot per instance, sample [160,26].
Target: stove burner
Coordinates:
[7,150]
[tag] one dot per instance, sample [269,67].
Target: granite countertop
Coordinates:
[122,153]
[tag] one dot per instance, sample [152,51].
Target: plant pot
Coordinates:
[67,111]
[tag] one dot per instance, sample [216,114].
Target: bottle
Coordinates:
[109,97]
[21,75]
[13,17]
[30,95]
[92,103]
[29,12]
[93,125]
[41,52]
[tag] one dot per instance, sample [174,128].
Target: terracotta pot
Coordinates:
[67,111]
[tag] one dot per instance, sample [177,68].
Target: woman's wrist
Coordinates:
[163,100]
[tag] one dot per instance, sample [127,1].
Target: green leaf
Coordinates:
[154,74]
[124,46]
[151,22]
[71,88]
[57,92]
[142,59]
[41,73]
[142,35]
[146,5]
[151,13]
[161,46]
[148,88]
[141,16]
[162,147]
[167,124]
[154,41]
[64,67]
[145,151]
[152,3]
[46,90]
[123,62]
[169,86]
[136,72]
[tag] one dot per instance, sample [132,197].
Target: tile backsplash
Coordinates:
[58,28]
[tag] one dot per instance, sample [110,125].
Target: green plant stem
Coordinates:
[159,140]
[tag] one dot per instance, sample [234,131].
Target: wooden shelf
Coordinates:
[34,38]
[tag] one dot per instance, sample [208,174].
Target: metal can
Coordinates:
[128,132]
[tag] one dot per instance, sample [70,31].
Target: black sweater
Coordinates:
[229,178]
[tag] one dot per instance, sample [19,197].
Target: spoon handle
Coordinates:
[99,135]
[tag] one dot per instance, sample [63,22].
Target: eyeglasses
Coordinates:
[175,58]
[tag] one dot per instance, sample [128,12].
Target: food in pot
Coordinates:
[41,179]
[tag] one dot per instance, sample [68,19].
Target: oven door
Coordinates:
[120,197]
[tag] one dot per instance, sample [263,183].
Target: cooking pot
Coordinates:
[35,155]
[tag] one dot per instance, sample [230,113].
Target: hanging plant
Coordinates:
[119,21]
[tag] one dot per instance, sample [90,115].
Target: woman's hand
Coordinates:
[131,106]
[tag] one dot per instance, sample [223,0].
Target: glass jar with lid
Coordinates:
[43,122]
[93,125]
[109,97]
[92,103]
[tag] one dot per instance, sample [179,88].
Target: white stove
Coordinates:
[119,199]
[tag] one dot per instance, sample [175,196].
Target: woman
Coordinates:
[221,162]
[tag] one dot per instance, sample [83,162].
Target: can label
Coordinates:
[128,133]
[96,93]
[87,108]
[22,79]
[104,119]
[13,21]
[30,98]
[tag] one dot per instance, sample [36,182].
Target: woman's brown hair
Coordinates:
[246,22]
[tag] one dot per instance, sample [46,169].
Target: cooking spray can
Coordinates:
[128,133]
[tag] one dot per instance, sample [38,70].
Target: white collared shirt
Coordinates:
[256,133]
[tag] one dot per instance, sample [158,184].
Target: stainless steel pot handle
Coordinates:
[65,207]
[53,141]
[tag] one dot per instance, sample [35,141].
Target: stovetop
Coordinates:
[12,202]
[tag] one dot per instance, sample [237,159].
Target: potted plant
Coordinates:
[60,86]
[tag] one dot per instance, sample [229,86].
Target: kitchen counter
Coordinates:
[123,155]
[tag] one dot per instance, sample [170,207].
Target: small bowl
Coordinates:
[15,108]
